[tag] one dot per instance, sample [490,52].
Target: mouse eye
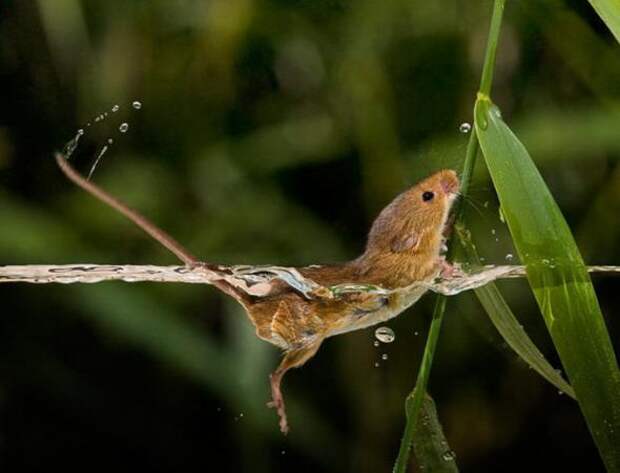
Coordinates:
[428,195]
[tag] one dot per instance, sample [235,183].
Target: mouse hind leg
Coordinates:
[292,359]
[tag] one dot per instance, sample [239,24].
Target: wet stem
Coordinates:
[416,397]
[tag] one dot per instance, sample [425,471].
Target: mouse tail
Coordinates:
[145,224]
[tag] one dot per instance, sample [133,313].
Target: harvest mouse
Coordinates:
[403,247]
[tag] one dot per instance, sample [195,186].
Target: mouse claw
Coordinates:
[449,271]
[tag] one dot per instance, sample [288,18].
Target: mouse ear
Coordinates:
[405,243]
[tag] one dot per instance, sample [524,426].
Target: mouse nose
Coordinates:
[449,182]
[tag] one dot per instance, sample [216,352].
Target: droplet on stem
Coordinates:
[124,127]
[448,456]
[137,105]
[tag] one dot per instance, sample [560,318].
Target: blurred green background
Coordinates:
[272,131]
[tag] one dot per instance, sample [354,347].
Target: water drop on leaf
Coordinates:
[448,456]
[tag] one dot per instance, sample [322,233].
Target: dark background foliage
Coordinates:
[271,132]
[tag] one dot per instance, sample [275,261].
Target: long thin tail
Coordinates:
[149,227]
[141,221]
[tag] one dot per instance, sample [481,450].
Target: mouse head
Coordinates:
[413,222]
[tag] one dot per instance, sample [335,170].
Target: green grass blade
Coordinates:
[609,11]
[431,448]
[507,324]
[414,405]
[557,274]
[415,400]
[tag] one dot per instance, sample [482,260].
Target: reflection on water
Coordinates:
[256,279]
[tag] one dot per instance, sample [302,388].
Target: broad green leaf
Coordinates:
[609,11]
[558,277]
[507,324]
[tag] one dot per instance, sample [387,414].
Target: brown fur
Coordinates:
[403,247]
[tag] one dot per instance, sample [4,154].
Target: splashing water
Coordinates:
[99,156]
[93,273]
[465,127]
[72,144]
[385,334]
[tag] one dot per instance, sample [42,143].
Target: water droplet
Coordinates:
[115,108]
[94,166]
[376,343]
[465,127]
[501,215]
[546,262]
[384,356]
[493,231]
[486,204]
[110,141]
[283,452]
[385,334]
[561,393]
[137,105]
[124,127]
[80,132]
[376,364]
[416,333]
[509,257]
[448,456]
[241,414]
